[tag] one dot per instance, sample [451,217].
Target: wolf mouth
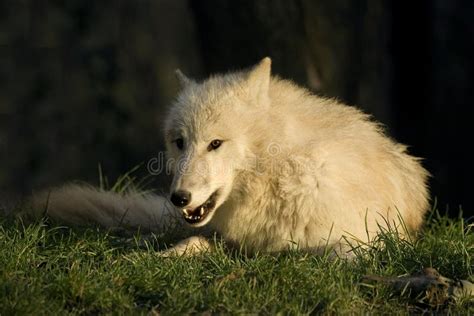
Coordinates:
[197,215]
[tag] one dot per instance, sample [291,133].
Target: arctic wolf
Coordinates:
[267,165]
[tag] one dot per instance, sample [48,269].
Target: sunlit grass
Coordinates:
[47,269]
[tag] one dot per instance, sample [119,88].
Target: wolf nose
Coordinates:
[181,198]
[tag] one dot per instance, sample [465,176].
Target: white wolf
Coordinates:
[266,164]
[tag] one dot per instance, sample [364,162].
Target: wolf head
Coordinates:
[207,137]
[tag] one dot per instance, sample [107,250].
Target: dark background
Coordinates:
[88,82]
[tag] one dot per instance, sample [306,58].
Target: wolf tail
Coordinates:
[81,205]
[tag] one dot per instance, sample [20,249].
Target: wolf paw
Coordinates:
[191,246]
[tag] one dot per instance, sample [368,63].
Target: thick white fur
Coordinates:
[293,168]
[84,205]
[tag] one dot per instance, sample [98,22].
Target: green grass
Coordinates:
[47,269]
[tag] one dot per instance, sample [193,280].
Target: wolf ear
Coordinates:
[182,79]
[259,81]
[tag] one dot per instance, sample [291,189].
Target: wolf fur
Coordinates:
[290,168]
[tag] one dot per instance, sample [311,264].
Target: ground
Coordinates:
[50,269]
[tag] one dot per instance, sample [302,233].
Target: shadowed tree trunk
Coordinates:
[338,48]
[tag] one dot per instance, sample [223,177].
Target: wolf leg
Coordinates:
[188,247]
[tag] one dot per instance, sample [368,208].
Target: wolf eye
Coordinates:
[216,143]
[179,143]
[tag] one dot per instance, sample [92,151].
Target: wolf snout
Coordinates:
[181,198]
